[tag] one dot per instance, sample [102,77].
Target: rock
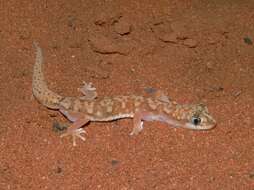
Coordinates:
[105,45]
[100,19]
[122,27]
[213,39]
[190,43]
[168,37]
[179,29]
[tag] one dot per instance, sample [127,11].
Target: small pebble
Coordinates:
[236,93]
[57,127]
[114,162]
[59,170]
[251,175]
[210,65]
[247,40]
[150,90]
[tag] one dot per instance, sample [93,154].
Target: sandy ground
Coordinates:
[194,50]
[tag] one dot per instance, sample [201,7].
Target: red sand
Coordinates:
[195,51]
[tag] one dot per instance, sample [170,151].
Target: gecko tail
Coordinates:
[40,89]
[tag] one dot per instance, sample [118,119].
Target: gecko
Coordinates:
[89,107]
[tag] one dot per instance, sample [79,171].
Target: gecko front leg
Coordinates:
[75,129]
[161,96]
[88,91]
[141,116]
[138,122]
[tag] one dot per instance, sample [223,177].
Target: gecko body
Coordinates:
[81,110]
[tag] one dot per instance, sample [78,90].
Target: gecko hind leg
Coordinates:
[158,94]
[75,129]
[88,90]
[161,96]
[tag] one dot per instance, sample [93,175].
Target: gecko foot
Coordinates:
[75,133]
[137,128]
[88,91]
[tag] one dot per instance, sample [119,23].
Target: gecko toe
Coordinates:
[75,133]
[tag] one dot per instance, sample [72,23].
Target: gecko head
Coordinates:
[198,118]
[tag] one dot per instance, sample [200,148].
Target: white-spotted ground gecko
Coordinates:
[81,110]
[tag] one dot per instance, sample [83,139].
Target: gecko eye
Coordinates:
[195,120]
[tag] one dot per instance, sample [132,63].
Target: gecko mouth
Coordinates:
[199,127]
